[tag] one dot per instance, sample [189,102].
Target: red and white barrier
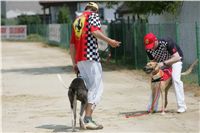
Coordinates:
[14,32]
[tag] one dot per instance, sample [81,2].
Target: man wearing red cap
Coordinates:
[168,53]
[85,57]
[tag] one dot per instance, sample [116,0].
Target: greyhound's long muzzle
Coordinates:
[147,69]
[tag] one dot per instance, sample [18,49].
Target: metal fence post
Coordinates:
[177,33]
[159,29]
[198,50]
[146,31]
[123,28]
[114,36]
[135,45]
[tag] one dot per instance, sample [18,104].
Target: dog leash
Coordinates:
[146,113]
[107,53]
[61,80]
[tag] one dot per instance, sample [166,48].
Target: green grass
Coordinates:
[190,79]
[34,38]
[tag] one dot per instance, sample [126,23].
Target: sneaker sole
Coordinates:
[98,128]
[181,112]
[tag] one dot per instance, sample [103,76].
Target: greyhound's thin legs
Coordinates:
[166,100]
[153,102]
[162,97]
[74,113]
[153,98]
[166,92]
[72,118]
[83,105]
[81,121]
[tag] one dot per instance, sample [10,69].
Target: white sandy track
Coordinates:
[33,99]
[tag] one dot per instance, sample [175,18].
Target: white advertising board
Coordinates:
[54,32]
[14,32]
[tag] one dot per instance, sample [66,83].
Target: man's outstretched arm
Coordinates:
[113,43]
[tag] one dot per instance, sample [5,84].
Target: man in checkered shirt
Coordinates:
[168,53]
[85,57]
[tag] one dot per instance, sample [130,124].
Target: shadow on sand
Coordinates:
[57,128]
[41,70]
[143,113]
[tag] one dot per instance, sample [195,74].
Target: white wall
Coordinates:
[189,13]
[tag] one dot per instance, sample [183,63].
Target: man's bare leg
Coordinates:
[89,111]
[89,123]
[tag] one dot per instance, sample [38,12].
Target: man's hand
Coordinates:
[75,68]
[114,43]
[161,64]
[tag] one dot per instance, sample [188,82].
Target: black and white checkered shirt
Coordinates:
[164,51]
[92,45]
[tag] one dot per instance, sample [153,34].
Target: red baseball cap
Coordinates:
[149,40]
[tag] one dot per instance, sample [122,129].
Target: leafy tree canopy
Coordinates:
[153,7]
[149,7]
[63,15]
[27,20]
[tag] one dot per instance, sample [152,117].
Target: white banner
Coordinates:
[14,32]
[54,32]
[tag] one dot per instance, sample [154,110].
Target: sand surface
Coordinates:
[33,100]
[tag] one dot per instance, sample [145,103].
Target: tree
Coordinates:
[10,21]
[153,7]
[149,7]
[27,20]
[3,21]
[142,9]
[63,15]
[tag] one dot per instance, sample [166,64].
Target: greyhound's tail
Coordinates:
[189,70]
[61,80]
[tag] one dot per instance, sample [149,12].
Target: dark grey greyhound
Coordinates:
[77,91]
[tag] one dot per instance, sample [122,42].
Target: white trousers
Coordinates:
[178,84]
[91,72]
[178,87]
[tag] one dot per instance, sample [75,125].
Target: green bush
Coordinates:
[34,37]
[10,21]
[27,20]
[63,15]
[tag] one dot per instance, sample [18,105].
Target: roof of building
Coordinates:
[56,3]
[123,9]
